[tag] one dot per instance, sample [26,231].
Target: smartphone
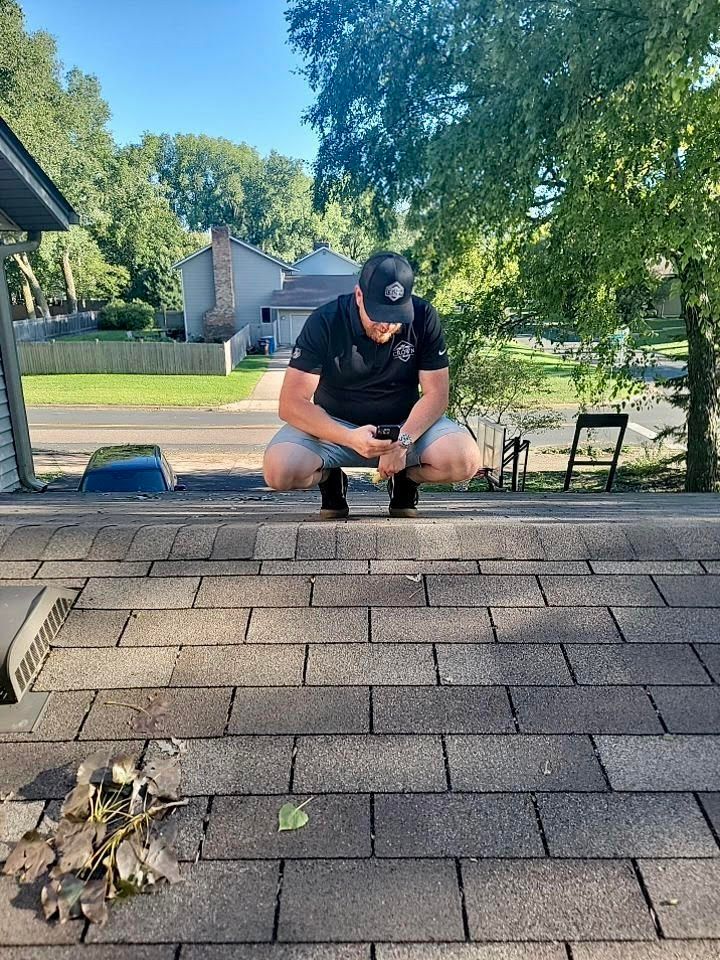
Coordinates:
[387,432]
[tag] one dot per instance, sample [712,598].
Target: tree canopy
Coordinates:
[582,134]
[144,206]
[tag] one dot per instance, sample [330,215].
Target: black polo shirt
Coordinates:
[362,381]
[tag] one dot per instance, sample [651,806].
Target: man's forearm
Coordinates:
[424,414]
[306,416]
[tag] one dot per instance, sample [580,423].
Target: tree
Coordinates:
[62,120]
[141,232]
[268,201]
[209,180]
[584,132]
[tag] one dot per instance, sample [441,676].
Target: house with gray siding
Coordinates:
[231,284]
[29,203]
[323,262]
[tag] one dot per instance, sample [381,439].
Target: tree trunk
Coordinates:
[29,299]
[703,419]
[69,282]
[21,259]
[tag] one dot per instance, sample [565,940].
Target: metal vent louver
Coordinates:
[30,617]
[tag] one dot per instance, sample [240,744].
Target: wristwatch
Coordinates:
[406,440]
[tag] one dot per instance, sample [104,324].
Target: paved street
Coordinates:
[508,718]
[214,431]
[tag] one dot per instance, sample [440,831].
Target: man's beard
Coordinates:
[380,335]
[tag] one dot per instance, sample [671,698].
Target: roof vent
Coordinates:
[30,617]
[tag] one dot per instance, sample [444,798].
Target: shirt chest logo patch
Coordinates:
[403,351]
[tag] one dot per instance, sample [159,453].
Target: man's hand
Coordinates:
[393,462]
[363,441]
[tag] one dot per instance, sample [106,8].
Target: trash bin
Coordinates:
[272,344]
[264,345]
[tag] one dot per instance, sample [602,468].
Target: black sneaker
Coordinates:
[333,490]
[403,495]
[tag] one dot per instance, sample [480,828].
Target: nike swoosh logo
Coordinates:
[441,353]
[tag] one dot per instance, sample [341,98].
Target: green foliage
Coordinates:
[292,817]
[492,382]
[118,315]
[268,201]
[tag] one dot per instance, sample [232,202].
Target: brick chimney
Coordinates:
[219,322]
[321,245]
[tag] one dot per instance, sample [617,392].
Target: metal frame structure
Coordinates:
[492,441]
[597,421]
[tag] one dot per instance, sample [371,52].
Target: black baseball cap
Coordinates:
[386,282]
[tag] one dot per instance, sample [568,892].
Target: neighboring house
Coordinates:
[323,261]
[29,203]
[231,284]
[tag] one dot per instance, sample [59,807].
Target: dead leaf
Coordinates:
[49,899]
[76,804]
[163,778]
[123,769]
[546,769]
[62,896]
[30,857]
[94,769]
[672,902]
[69,890]
[127,860]
[415,577]
[180,745]
[75,843]
[160,860]
[92,901]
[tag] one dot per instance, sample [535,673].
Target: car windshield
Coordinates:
[124,481]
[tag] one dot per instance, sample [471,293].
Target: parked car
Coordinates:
[129,468]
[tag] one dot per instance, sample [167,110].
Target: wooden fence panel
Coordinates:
[236,348]
[119,357]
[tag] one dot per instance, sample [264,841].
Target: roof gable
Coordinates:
[325,251]
[242,243]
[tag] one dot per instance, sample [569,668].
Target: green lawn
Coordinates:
[116,335]
[668,338]
[142,390]
[558,369]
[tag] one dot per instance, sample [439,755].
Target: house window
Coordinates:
[266,318]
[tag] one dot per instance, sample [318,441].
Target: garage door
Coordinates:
[8,466]
[290,326]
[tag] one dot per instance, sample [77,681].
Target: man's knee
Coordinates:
[282,472]
[279,476]
[459,461]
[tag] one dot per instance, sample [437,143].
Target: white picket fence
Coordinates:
[34,331]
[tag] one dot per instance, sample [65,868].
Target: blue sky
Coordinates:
[221,67]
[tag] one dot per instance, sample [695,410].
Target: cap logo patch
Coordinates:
[394,291]
[403,351]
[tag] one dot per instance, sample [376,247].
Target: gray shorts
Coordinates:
[334,455]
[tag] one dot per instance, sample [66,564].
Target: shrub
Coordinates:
[118,315]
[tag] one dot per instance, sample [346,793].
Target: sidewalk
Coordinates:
[266,394]
[507,713]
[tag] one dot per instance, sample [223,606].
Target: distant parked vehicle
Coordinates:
[129,468]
